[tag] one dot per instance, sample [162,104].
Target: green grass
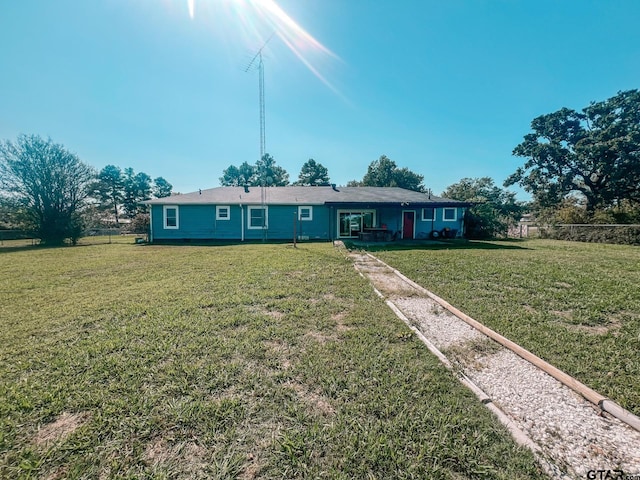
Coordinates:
[250,361]
[577,305]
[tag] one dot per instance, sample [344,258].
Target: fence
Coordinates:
[17,238]
[94,236]
[623,234]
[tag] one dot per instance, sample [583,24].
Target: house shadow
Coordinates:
[431,245]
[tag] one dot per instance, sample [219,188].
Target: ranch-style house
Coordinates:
[313,213]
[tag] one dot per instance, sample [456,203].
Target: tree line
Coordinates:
[580,167]
[50,192]
[121,192]
[383,172]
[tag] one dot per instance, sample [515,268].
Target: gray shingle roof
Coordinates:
[303,196]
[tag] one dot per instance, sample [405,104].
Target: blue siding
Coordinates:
[424,228]
[198,222]
[392,218]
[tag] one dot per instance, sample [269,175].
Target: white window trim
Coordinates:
[309,218]
[266,217]
[220,207]
[455,214]
[433,214]
[164,217]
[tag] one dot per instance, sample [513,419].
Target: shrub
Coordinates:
[622,234]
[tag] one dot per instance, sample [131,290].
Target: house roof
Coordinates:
[305,196]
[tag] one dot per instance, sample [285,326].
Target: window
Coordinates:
[428,214]
[258,217]
[450,214]
[305,214]
[171,218]
[223,212]
[350,224]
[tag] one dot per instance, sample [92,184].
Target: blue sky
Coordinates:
[445,88]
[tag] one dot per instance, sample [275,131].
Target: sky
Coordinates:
[444,88]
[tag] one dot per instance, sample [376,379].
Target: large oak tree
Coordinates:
[595,152]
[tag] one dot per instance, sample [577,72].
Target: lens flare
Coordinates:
[255,17]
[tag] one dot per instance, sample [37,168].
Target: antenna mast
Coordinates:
[263,180]
[258,57]
[261,93]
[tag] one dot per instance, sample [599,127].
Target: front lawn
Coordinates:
[249,361]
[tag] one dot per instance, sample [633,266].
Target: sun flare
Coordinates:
[261,19]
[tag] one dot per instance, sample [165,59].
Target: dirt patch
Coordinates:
[320,337]
[317,402]
[563,314]
[281,351]
[391,284]
[611,327]
[251,469]
[58,473]
[265,435]
[277,314]
[61,428]
[566,319]
[188,457]
[339,319]
[473,353]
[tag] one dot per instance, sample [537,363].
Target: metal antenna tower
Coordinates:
[261,93]
[257,58]
[263,193]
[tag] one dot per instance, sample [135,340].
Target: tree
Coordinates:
[161,188]
[269,174]
[46,186]
[595,152]
[385,173]
[265,172]
[238,176]
[495,210]
[137,188]
[108,189]
[313,174]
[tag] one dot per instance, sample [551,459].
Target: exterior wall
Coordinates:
[392,218]
[424,228]
[198,222]
[281,220]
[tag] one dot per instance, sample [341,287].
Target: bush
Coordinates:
[139,224]
[622,234]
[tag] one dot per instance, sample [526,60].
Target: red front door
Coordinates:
[408,218]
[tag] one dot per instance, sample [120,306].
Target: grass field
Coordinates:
[251,361]
[577,305]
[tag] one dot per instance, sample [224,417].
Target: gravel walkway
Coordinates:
[571,436]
